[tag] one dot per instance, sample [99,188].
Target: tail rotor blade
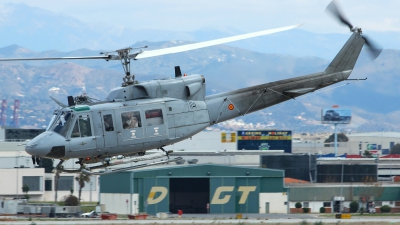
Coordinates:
[333,8]
[373,48]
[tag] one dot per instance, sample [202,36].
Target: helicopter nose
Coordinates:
[47,144]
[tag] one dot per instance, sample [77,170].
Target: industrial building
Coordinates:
[232,189]
[330,195]
[41,185]
[191,188]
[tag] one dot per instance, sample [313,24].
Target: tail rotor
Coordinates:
[334,9]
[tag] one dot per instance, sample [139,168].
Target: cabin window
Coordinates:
[82,127]
[154,117]
[108,123]
[131,120]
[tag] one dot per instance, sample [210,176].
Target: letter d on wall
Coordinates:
[152,194]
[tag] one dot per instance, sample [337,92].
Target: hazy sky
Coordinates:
[243,15]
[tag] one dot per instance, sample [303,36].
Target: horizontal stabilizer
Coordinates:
[300,90]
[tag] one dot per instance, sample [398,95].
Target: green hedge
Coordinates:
[385,209]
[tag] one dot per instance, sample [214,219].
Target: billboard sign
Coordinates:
[336,115]
[228,137]
[265,140]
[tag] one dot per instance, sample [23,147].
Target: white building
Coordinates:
[41,185]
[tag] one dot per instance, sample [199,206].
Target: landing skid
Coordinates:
[87,170]
[132,167]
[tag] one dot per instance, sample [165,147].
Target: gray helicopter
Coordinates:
[140,116]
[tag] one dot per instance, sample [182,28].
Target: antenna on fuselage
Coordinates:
[178,72]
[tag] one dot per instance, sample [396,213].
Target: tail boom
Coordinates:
[228,105]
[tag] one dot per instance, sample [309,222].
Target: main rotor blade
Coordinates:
[164,51]
[338,14]
[183,48]
[106,57]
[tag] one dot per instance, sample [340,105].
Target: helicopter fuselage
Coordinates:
[133,119]
[138,117]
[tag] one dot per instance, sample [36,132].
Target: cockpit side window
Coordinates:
[108,123]
[62,123]
[82,127]
[131,120]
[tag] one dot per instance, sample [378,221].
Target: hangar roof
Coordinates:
[202,170]
[270,180]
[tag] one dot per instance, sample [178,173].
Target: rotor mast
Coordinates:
[125,59]
[126,65]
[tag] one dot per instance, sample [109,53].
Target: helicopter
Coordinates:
[141,116]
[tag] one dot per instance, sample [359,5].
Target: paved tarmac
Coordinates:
[280,219]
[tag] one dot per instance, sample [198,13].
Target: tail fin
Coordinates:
[348,55]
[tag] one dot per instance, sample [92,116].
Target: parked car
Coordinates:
[91,214]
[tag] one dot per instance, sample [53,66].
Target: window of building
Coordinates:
[327,204]
[305,204]
[82,127]
[131,120]
[33,182]
[108,123]
[378,203]
[65,183]
[48,185]
[154,117]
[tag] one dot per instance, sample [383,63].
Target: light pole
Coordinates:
[98,185]
[341,192]
[335,142]
[17,162]
[91,191]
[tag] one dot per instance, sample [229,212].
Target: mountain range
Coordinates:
[245,63]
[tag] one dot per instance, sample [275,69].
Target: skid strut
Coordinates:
[124,161]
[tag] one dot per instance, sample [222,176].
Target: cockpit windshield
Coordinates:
[62,122]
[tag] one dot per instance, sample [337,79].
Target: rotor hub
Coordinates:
[356,30]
